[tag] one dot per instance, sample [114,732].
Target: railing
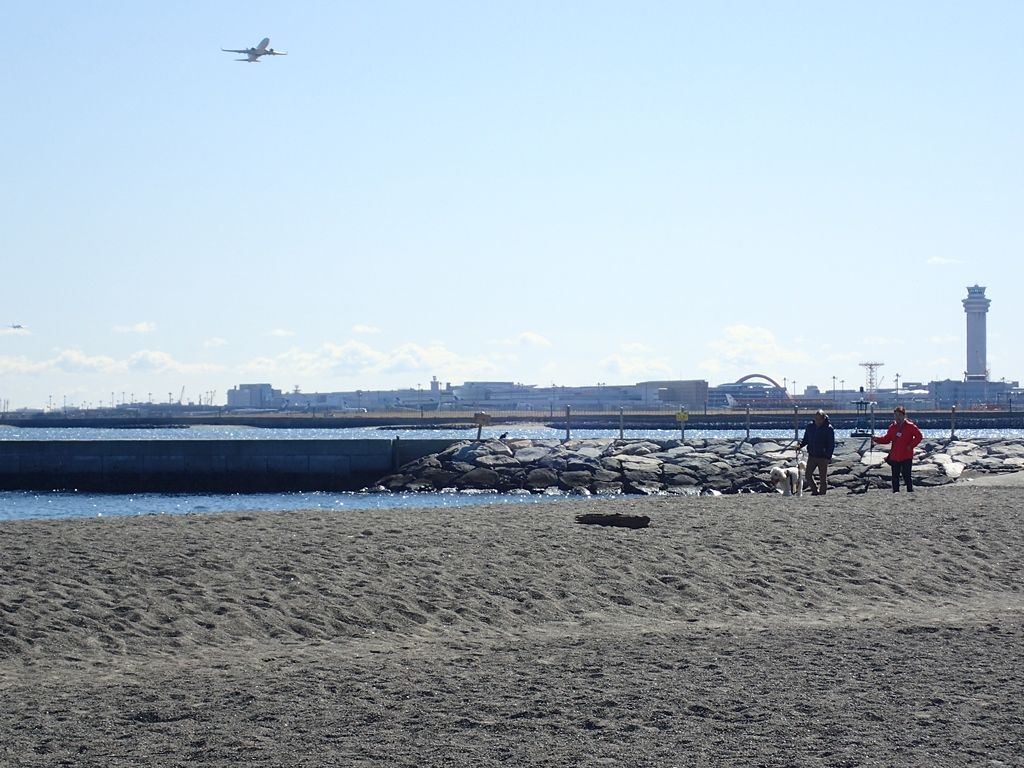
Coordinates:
[667,417]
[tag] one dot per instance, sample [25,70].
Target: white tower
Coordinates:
[976,307]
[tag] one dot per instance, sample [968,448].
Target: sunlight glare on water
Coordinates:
[25,505]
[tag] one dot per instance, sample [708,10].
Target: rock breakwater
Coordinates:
[710,466]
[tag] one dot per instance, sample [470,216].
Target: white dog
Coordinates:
[789,480]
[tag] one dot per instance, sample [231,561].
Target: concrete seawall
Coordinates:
[224,466]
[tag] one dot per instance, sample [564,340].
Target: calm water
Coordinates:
[527,432]
[27,505]
[18,505]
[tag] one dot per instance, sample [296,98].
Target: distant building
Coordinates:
[481,395]
[255,396]
[971,393]
[691,394]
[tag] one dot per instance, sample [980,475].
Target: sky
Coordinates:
[567,193]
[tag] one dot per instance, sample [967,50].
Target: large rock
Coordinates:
[481,477]
[493,460]
[439,478]
[570,480]
[542,477]
[639,463]
[705,466]
[531,454]
[637,449]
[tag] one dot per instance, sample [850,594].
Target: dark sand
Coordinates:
[735,631]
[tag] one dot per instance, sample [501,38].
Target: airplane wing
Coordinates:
[272,52]
[235,50]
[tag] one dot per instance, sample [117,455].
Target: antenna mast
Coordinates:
[871,384]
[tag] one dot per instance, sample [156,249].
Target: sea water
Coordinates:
[34,505]
[513,432]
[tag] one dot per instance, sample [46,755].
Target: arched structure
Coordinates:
[769,379]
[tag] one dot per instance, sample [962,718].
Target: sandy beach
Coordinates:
[751,630]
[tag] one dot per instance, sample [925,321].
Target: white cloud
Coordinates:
[144,327]
[21,365]
[365,329]
[10,330]
[749,349]
[355,358]
[352,357]
[630,368]
[711,366]
[149,361]
[215,341]
[260,365]
[77,361]
[525,339]
[413,358]
[635,361]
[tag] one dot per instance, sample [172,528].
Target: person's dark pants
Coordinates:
[902,468]
[817,465]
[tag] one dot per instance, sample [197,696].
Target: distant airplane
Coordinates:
[252,55]
[18,327]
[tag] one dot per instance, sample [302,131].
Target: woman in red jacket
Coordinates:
[904,436]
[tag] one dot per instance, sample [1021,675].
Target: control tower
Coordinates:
[976,307]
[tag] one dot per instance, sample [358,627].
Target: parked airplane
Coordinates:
[252,55]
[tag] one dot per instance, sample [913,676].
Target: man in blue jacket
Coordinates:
[820,441]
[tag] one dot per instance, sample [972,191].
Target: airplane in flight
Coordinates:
[252,55]
[17,327]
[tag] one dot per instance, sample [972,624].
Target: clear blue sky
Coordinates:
[568,192]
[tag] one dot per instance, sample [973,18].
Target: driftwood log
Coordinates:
[620,521]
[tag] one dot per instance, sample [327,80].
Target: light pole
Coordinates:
[897,386]
[833,391]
